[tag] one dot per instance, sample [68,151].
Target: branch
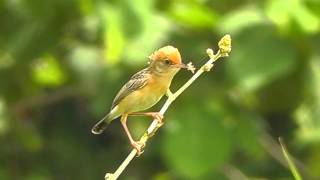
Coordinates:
[275,151]
[224,50]
[290,162]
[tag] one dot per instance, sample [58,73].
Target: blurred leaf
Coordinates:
[86,6]
[314,6]
[259,57]
[237,20]
[154,30]
[308,113]
[6,60]
[114,39]
[133,16]
[29,137]
[313,160]
[2,3]
[131,31]
[91,26]
[3,117]
[196,142]
[37,27]
[86,61]
[162,176]
[309,127]
[194,15]
[282,15]
[24,37]
[279,11]
[47,72]
[246,134]
[288,88]
[37,176]
[308,21]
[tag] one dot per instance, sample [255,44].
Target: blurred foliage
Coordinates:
[63,61]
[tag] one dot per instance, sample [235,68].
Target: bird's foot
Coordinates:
[138,146]
[159,117]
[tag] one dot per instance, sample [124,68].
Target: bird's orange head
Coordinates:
[167,53]
[166,61]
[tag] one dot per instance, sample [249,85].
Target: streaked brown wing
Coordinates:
[137,81]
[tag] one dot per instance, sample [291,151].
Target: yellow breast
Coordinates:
[145,97]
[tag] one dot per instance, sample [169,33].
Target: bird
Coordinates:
[144,90]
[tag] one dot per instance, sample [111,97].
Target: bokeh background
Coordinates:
[63,61]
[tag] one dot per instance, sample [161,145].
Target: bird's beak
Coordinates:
[181,65]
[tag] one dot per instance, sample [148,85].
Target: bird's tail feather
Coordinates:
[100,126]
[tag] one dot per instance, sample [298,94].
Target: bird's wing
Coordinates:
[137,81]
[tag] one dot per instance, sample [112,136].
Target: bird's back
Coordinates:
[136,82]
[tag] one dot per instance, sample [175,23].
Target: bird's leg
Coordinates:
[136,144]
[156,115]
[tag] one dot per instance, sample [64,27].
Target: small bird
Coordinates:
[144,90]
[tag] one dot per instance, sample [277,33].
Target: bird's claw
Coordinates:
[138,146]
[159,118]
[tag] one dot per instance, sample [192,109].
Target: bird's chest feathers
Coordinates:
[147,96]
[156,88]
[152,92]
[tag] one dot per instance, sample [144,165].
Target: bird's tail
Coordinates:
[100,126]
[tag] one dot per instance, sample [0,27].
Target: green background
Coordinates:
[63,61]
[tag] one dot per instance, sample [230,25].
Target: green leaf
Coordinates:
[308,21]
[29,138]
[47,71]
[313,159]
[307,114]
[194,15]
[237,20]
[259,57]
[114,38]
[283,15]
[86,6]
[3,117]
[131,32]
[196,143]
[85,60]
[246,134]
[288,88]
[154,29]
[35,26]
[279,12]
[6,60]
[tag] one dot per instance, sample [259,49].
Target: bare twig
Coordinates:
[290,162]
[274,149]
[224,50]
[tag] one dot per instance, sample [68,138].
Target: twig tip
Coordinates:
[210,53]
[109,176]
[225,45]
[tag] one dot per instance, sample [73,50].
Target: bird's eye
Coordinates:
[167,61]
